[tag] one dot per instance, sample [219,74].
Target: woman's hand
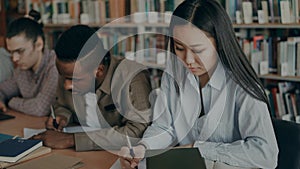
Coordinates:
[129,162]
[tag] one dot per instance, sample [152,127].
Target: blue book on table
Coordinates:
[4,137]
[11,150]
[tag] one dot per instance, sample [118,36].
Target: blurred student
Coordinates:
[32,87]
[6,66]
[89,79]
[211,98]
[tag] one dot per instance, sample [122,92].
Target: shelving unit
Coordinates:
[267,26]
[281,78]
[115,25]
[275,44]
[143,34]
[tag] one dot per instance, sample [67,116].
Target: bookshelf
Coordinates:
[267,26]
[265,39]
[270,38]
[2,22]
[282,78]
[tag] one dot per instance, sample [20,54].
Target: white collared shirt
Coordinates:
[236,128]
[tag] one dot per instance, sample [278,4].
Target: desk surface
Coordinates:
[91,159]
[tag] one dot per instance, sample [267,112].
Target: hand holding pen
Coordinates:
[54,122]
[130,146]
[136,153]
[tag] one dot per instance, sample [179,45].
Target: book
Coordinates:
[177,158]
[5,116]
[11,150]
[36,153]
[4,137]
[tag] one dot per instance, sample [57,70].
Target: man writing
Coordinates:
[84,83]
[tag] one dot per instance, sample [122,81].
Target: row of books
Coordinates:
[95,11]
[263,11]
[285,101]
[279,55]
[145,47]
[120,44]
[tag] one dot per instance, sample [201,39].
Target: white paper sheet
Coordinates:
[28,132]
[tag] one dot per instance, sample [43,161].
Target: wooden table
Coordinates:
[91,159]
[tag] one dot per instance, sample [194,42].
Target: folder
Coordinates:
[177,158]
[52,161]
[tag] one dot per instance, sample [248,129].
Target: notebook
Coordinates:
[12,150]
[4,137]
[5,116]
[177,158]
[36,153]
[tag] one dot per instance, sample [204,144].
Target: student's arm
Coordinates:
[39,105]
[257,148]
[8,89]
[63,102]
[140,88]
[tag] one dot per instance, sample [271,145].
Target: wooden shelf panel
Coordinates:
[154,65]
[268,26]
[116,25]
[278,77]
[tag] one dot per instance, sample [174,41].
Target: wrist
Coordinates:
[142,145]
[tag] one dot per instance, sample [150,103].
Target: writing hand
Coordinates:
[3,106]
[55,139]
[61,121]
[127,162]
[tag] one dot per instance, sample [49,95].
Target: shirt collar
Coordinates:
[105,86]
[218,77]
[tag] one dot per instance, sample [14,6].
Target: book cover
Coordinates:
[177,158]
[5,116]
[12,150]
[34,154]
[4,137]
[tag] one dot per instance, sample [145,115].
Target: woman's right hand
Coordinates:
[61,121]
[127,161]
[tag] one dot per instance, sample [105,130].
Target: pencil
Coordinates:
[130,147]
[54,118]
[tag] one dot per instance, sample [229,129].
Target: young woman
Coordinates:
[210,96]
[32,88]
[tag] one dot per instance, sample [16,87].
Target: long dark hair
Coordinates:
[30,26]
[209,16]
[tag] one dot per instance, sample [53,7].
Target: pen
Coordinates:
[130,147]
[54,118]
